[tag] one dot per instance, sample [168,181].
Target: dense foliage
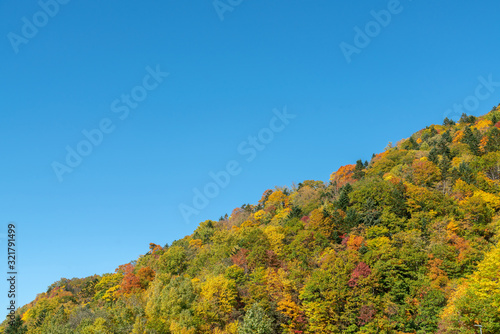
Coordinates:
[405,243]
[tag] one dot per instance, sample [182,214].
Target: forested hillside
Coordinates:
[404,243]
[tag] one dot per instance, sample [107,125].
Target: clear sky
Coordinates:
[342,83]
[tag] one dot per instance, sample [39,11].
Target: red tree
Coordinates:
[361,271]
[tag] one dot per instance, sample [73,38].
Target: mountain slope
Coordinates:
[388,246]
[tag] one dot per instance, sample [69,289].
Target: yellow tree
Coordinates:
[476,300]
[425,172]
[319,222]
[217,301]
[277,199]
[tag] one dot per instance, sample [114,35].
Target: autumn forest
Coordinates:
[406,242]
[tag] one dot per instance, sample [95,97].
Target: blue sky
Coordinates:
[226,81]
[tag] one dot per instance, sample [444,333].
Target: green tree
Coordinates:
[494,119]
[433,155]
[359,170]
[447,136]
[173,261]
[433,131]
[410,144]
[170,303]
[16,326]
[471,140]
[465,119]
[448,122]
[343,201]
[442,147]
[493,143]
[256,321]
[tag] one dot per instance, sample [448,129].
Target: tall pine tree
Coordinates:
[471,140]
